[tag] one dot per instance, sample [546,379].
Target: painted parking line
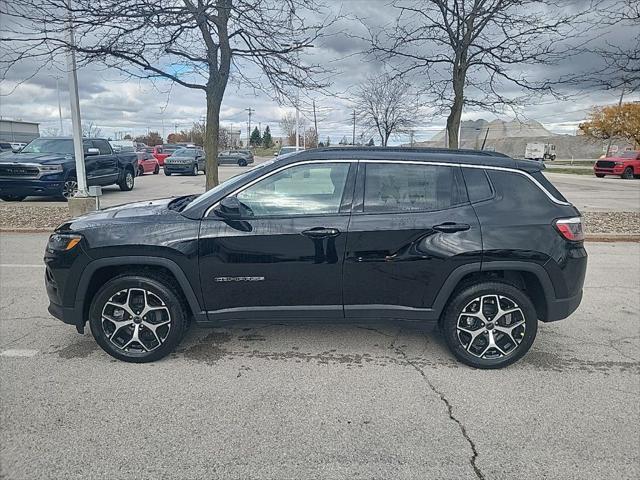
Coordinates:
[19,352]
[21,265]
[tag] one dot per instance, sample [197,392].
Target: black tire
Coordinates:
[628,173]
[600,175]
[167,174]
[127,181]
[194,170]
[69,187]
[242,163]
[12,198]
[476,351]
[140,171]
[155,287]
[156,170]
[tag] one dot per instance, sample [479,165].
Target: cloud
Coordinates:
[119,104]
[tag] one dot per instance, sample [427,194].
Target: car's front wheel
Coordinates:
[137,318]
[69,187]
[490,325]
[628,173]
[600,175]
[194,169]
[156,170]
[242,163]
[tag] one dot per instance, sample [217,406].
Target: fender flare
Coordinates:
[454,278]
[137,260]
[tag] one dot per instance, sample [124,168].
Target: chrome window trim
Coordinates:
[410,162]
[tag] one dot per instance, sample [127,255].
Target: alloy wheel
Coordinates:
[70,188]
[129,180]
[491,326]
[136,320]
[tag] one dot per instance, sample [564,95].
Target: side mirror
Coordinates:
[92,151]
[229,208]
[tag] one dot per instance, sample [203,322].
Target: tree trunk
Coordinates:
[212,130]
[455,115]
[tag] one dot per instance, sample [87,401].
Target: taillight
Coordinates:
[570,229]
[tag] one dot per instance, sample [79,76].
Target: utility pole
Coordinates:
[411,138]
[315,123]
[617,117]
[76,125]
[250,110]
[353,137]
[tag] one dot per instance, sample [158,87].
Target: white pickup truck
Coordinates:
[540,151]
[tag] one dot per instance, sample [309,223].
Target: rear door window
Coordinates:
[478,186]
[405,187]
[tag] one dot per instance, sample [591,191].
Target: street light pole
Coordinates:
[59,105]
[76,125]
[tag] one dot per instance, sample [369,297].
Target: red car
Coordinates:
[625,165]
[147,163]
[160,152]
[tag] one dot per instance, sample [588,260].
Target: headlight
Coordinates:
[48,169]
[618,164]
[62,242]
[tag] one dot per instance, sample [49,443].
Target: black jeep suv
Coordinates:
[477,242]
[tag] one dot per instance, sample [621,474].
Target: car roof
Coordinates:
[441,155]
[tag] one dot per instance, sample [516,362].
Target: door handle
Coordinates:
[451,227]
[321,232]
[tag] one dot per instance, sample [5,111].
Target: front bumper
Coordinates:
[28,188]
[178,168]
[608,171]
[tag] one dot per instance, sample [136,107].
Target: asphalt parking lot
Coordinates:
[273,401]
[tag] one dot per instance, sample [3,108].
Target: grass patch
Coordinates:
[574,171]
[265,152]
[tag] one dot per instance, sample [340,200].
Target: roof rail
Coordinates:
[461,151]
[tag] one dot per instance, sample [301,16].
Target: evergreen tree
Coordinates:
[256,139]
[371,143]
[328,142]
[267,141]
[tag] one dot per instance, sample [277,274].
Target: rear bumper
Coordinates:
[27,188]
[559,309]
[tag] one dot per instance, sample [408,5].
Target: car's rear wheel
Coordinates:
[600,175]
[137,318]
[12,198]
[127,181]
[628,173]
[156,170]
[490,325]
[69,187]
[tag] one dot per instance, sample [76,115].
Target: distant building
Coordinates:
[18,131]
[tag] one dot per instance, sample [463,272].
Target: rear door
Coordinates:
[412,225]
[285,256]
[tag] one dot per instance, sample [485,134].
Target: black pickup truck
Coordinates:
[46,167]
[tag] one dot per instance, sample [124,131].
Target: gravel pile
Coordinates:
[47,217]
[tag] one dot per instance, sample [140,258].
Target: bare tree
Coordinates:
[90,129]
[470,52]
[198,44]
[385,105]
[288,127]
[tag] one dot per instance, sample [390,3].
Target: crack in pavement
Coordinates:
[444,400]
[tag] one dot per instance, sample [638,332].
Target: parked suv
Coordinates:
[477,242]
[625,165]
[185,160]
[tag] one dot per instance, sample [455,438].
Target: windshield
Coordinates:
[184,152]
[50,145]
[284,150]
[237,180]
[629,154]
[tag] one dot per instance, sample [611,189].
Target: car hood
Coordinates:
[41,158]
[153,210]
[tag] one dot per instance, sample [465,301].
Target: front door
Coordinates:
[284,257]
[412,225]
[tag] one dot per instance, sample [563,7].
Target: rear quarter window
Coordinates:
[550,187]
[517,190]
[478,186]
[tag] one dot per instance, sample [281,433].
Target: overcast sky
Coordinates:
[117,104]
